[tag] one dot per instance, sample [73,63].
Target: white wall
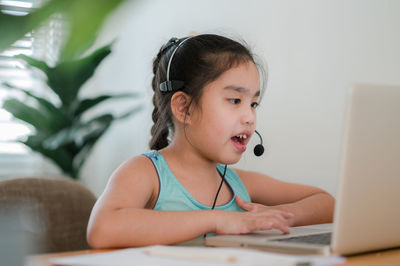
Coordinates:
[314,50]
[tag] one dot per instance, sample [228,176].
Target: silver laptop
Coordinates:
[367,212]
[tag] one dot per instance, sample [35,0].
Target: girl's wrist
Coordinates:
[216,218]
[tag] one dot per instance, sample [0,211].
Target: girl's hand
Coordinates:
[257,217]
[255,207]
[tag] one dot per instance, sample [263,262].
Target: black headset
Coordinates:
[172,85]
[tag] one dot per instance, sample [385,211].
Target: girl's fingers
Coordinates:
[268,219]
[276,224]
[284,228]
[249,206]
[287,215]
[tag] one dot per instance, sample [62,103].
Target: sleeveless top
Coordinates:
[172,195]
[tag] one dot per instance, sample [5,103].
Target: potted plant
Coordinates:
[63,132]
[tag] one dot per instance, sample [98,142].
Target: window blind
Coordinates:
[44,44]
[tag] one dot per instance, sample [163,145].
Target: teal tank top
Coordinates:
[172,195]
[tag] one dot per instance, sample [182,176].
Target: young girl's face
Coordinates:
[225,119]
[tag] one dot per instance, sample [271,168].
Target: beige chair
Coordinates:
[59,206]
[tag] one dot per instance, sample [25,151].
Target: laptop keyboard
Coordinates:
[322,239]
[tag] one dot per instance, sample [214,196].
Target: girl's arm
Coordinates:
[123,214]
[310,205]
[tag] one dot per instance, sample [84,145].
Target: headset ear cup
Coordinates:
[171,85]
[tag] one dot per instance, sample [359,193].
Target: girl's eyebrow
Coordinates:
[242,90]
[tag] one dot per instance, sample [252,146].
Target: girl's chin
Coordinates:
[232,159]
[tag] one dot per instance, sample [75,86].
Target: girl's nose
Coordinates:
[249,116]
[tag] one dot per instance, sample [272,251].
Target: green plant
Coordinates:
[61,132]
[85,18]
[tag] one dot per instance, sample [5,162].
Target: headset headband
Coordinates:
[172,85]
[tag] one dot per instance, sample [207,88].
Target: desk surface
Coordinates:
[387,257]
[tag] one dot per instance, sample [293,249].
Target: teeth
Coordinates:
[243,136]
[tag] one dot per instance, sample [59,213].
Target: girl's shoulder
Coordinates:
[133,183]
[136,168]
[138,163]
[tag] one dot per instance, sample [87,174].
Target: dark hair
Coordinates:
[198,61]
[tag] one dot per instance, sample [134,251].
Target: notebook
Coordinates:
[367,215]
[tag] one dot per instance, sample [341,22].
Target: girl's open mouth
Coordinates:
[239,142]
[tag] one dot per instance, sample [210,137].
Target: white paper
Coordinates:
[176,255]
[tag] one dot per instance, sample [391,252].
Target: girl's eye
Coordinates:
[254,105]
[234,101]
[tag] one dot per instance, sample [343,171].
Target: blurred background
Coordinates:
[314,51]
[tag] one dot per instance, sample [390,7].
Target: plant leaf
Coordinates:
[34,62]
[55,115]
[81,157]
[59,139]
[92,138]
[86,104]
[78,133]
[88,143]
[13,28]
[28,114]
[59,156]
[66,78]
[95,127]
[86,18]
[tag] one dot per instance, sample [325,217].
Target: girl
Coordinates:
[206,90]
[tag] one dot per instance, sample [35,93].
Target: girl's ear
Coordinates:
[180,102]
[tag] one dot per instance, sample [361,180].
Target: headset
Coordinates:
[172,85]
[175,85]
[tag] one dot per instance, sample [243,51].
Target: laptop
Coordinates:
[367,215]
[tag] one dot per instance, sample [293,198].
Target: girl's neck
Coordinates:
[183,156]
